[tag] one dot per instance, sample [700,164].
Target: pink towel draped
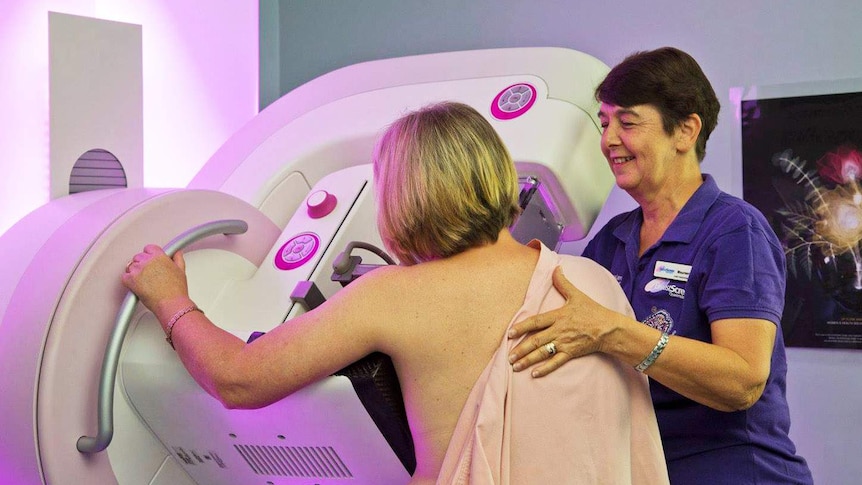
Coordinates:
[589,422]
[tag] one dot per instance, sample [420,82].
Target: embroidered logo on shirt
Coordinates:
[672,271]
[659,320]
[658,285]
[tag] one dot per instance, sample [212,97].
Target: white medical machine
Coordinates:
[90,393]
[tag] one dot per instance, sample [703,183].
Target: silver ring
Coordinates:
[551,348]
[129,265]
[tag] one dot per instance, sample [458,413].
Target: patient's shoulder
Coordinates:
[595,281]
[383,279]
[581,266]
[386,289]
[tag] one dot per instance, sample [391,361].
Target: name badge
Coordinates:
[672,271]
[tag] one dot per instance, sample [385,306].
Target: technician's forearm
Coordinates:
[709,374]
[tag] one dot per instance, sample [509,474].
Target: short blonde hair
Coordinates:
[445,183]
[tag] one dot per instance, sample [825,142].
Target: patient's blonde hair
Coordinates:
[445,183]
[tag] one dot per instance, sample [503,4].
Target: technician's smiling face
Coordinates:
[640,153]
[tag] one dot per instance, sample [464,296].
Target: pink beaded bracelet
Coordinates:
[173,321]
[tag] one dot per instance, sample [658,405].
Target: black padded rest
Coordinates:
[376,384]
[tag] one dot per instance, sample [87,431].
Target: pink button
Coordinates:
[297,251]
[513,101]
[320,203]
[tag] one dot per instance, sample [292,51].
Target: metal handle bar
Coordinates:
[88,444]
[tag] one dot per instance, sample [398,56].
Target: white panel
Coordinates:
[96,95]
[171,474]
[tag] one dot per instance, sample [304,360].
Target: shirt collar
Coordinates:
[685,225]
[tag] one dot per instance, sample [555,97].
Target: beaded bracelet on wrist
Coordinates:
[175,318]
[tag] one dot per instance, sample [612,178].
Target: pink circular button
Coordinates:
[320,203]
[297,251]
[513,101]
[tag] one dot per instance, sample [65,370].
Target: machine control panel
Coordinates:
[513,101]
[297,251]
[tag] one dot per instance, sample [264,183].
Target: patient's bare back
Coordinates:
[445,321]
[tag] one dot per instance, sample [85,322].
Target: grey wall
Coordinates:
[269,48]
[738,43]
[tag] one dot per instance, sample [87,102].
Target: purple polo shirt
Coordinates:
[718,259]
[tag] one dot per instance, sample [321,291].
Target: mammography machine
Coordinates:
[91,393]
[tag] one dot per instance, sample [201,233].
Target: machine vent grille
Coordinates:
[294,461]
[97,169]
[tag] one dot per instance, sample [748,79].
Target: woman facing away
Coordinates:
[447,192]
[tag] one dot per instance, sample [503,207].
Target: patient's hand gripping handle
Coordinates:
[87,444]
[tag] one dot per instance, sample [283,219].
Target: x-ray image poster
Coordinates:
[802,167]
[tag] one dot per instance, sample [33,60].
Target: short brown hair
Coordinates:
[445,183]
[668,79]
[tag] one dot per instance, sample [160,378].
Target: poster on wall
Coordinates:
[802,167]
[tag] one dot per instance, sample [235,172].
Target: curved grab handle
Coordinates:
[88,444]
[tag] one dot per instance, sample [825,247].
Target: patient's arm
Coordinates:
[296,353]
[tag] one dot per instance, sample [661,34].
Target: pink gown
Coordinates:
[589,422]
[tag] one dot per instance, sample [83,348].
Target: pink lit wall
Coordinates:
[200,85]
